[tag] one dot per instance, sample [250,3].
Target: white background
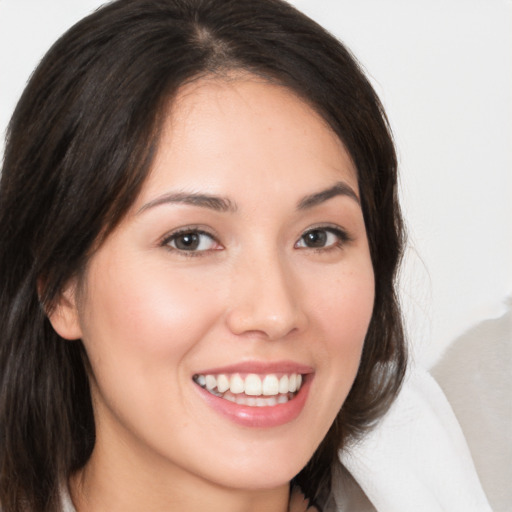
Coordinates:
[443,69]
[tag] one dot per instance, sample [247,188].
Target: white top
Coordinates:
[417,457]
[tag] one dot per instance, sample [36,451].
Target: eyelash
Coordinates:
[167,240]
[342,236]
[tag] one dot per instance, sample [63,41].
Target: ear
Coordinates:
[64,315]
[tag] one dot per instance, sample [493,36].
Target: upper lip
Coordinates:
[259,367]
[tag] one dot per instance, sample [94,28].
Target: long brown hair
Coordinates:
[79,147]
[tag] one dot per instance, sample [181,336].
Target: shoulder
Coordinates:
[416,455]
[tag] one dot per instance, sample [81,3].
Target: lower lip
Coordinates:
[260,417]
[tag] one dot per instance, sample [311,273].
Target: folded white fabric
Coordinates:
[416,459]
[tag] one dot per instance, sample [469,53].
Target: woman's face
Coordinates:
[241,273]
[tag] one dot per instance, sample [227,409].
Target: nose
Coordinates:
[265,300]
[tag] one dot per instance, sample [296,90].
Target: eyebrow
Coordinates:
[223,204]
[220,204]
[339,189]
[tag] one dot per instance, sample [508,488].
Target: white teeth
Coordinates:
[254,390]
[237,384]
[211,382]
[292,383]
[270,385]
[283,384]
[222,383]
[253,385]
[252,401]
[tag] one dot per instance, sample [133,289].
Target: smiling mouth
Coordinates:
[252,389]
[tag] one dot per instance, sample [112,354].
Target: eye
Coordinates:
[191,240]
[322,238]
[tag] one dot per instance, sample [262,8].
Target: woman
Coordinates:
[199,239]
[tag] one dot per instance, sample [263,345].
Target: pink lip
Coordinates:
[260,367]
[260,417]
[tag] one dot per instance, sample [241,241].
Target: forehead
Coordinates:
[229,133]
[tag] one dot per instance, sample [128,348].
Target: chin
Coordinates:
[269,470]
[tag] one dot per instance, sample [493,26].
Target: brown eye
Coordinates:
[191,241]
[321,238]
[315,238]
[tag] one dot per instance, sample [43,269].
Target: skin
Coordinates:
[152,316]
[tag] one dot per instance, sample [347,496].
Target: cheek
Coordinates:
[140,325]
[344,311]
[345,306]
[342,305]
[146,312]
